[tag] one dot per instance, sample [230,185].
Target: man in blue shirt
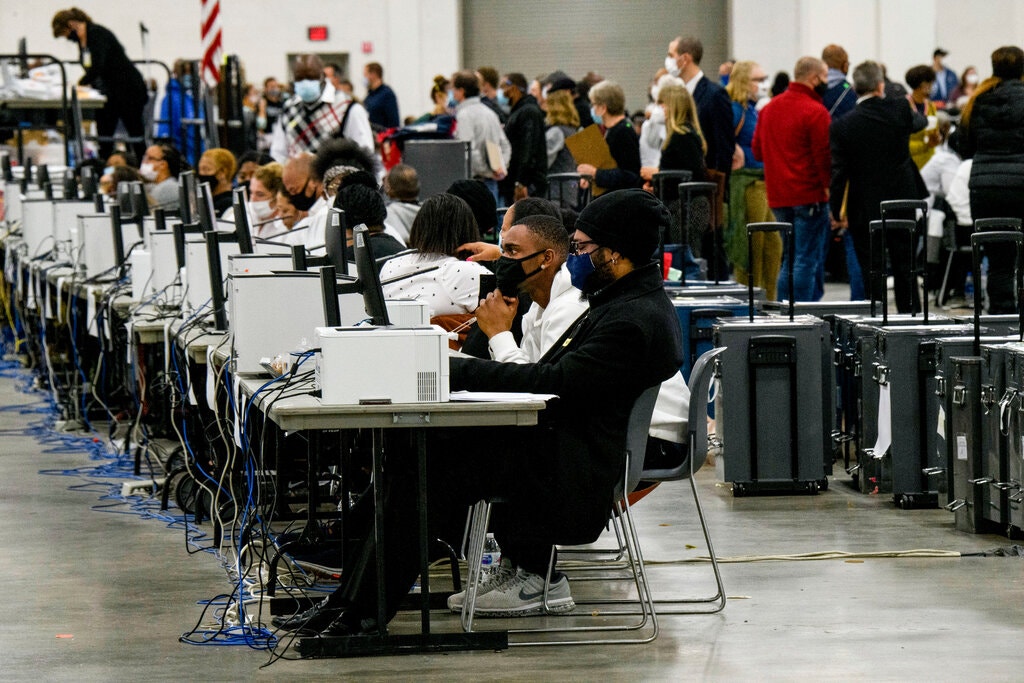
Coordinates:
[380,100]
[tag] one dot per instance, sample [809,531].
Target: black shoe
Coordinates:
[349,625]
[312,621]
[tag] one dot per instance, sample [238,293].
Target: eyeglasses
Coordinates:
[575,245]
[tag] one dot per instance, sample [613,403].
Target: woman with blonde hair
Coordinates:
[562,120]
[748,200]
[684,146]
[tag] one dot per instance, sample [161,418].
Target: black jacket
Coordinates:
[525,132]
[871,150]
[624,145]
[714,111]
[994,138]
[110,70]
[630,341]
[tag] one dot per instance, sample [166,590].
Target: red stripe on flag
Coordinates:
[214,14]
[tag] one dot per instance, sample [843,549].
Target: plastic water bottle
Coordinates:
[969,289]
[491,558]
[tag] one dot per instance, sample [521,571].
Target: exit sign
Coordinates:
[317,33]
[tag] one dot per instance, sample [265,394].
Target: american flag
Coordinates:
[211,41]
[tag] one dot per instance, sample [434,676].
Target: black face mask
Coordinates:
[72,36]
[599,279]
[300,200]
[509,273]
[821,88]
[203,178]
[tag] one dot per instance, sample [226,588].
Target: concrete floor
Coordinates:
[124,588]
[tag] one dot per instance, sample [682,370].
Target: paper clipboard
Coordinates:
[589,147]
[494,158]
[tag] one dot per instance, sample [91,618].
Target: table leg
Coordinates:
[421,501]
[378,525]
[311,534]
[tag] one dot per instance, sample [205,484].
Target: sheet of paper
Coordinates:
[884,439]
[505,396]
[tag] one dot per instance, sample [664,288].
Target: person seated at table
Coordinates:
[160,168]
[434,272]
[365,206]
[534,250]
[557,479]
[217,167]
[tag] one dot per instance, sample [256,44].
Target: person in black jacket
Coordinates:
[527,171]
[871,153]
[608,108]
[557,478]
[714,110]
[107,69]
[992,133]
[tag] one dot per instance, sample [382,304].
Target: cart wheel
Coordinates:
[739,490]
[823,484]
[812,488]
[905,502]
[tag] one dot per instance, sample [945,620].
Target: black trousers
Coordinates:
[1001,263]
[128,113]
[463,466]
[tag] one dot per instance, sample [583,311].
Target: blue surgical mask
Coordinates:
[308,90]
[501,99]
[107,170]
[580,267]
[451,100]
[593,114]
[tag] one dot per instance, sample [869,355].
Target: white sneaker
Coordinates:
[505,572]
[523,594]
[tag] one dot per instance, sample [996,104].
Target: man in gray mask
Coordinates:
[316,114]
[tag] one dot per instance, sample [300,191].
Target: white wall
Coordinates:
[900,33]
[412,39]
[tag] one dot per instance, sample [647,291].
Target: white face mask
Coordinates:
[658,115]
[147,171]
[972,79]
[762,89]
[671,66]
[260,211]
[654,93]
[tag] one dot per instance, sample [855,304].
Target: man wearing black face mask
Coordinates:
[305,194]
[792,140]
[533,253]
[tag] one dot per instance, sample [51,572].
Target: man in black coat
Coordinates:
[714,111]
[557,479]
[527,171]
[870,164]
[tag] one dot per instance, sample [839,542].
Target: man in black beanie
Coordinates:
[557,479]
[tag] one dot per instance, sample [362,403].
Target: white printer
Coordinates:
[371,365]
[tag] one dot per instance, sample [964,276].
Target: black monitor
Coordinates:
[336,240]
[70,185]
[42,175]
[242,228]
[367,283]
[206,214]
[369,276]
[187,194]
[5,164]
[213,241]
[115,229]
[48,190]
[88,182]
[160,219]
[26,175]
[124,199]
[180,230]
[98,202]
[140,205]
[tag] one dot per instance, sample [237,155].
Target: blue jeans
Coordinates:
[810,232]
[857,292]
